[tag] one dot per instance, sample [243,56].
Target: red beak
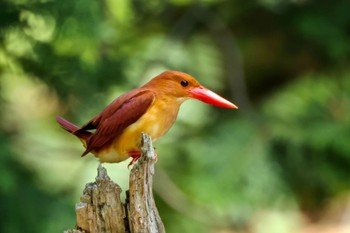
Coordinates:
[207,96]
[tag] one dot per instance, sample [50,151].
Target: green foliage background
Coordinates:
[281,158]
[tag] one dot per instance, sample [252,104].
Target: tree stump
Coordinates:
[101,210]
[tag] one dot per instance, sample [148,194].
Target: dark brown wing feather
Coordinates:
[121,113]
[73,129]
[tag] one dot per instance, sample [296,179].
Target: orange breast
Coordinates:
[155,122]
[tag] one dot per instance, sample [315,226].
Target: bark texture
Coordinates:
[101,210]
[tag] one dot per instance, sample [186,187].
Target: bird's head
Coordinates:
[183,86]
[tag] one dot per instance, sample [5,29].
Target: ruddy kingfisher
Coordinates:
[114,135]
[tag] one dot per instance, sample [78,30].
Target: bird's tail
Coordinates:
[73,129]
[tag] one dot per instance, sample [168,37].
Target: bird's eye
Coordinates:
[184,83]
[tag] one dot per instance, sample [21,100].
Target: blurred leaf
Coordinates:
[309,122]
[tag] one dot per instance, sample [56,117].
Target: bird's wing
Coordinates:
[121,113]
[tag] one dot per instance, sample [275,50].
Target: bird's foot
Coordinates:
[135,155]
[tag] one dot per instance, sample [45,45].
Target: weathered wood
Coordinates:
[142,211]
[101,210]
[74,231]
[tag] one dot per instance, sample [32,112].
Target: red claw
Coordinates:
[135,155]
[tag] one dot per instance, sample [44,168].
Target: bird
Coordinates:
[114,135]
